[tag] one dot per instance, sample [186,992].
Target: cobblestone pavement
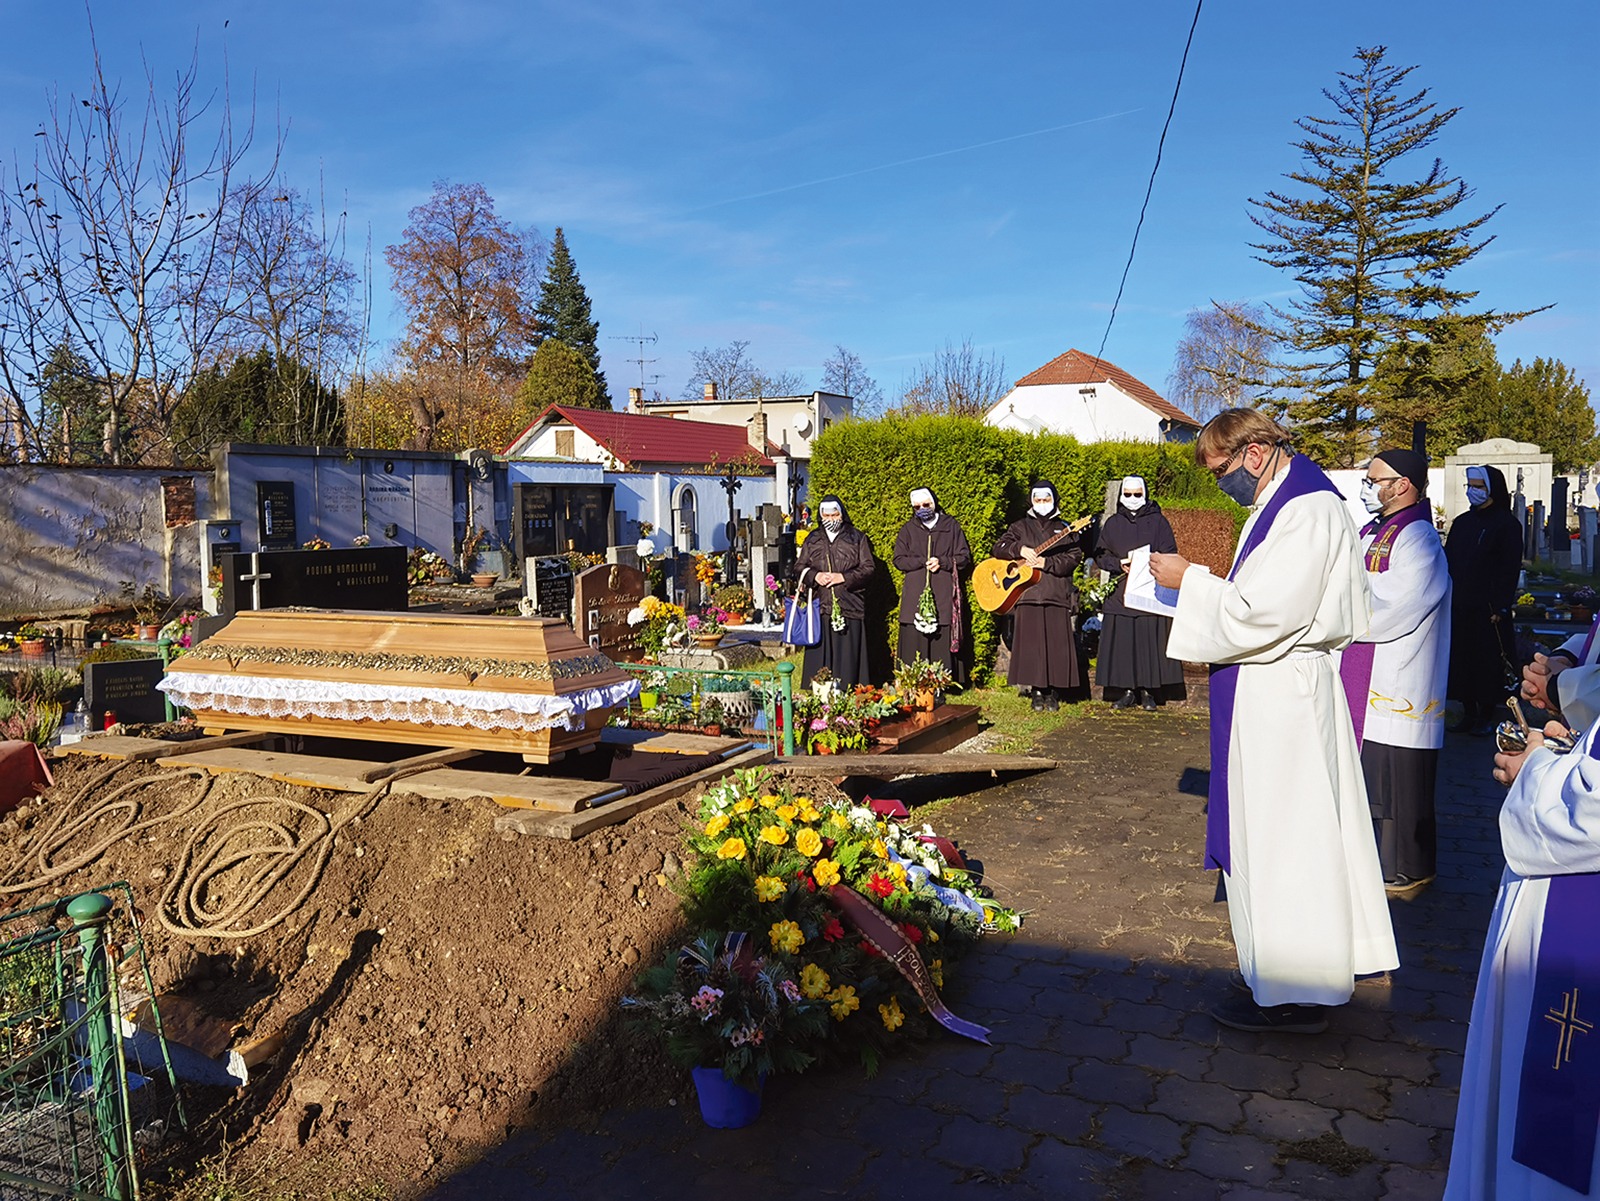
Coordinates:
[1105,1078]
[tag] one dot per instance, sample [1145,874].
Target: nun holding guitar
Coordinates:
[1030,577]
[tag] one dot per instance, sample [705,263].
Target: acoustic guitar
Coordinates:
[997,583]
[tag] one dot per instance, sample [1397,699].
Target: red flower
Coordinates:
[880,885]
[870,949]
[912,931]
[804,876]
[833,931]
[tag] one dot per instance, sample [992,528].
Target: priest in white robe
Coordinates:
[1396,673]
[1287,819]
[1529,1113]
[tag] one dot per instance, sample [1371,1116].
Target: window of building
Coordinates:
[688,527]
[564,447]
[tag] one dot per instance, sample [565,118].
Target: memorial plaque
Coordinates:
[275,514]
[369,578]
[550,586]
[127,688]
[602,598]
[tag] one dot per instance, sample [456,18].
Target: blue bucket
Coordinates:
[723,1103]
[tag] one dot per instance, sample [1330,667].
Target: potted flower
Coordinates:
[733,1017]
[1583,602]
[706,628]
[149,607]
[316,544]
[30,639]
[924,681]
[735,601]
[1524,604]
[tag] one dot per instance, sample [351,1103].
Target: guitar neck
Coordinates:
[1081,524]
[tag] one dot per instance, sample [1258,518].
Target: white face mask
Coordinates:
[1477,496]
[1043,505]
[1369,497]
[1134,502]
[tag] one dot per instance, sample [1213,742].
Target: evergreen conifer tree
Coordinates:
[1372,247]
[563,312]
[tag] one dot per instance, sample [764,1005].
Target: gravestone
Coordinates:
[550,586]
[602,598]
[127,688]
[1587,528]
[275,514]
[1557,538]
[368,578]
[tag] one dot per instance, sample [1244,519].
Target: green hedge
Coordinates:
[981,476]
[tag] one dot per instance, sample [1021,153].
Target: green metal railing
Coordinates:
[67,1120]
[773,685]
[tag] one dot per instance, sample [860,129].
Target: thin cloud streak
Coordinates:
[906,162]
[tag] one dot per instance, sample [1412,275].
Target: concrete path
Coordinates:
[1106,1078]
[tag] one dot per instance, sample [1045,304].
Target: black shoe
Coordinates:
[1242,1013]
[1038,702]
[1053,701]
[1147,702]
[1125,701]
[1404,886]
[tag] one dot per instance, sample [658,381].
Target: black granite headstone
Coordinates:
[551,588]
[368,578]
[127,688]
[275,513]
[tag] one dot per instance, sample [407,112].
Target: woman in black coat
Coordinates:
[932,552]
[836,560]
[1133,659]
[1043,657]
[1484,551]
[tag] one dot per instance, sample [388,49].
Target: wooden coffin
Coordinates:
[519,684]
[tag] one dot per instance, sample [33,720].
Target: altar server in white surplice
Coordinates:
[1567,680]
[1529,1112]
[1395,674]
[1287,819]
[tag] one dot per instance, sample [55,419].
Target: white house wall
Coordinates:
[1110,415]
[653,497]
[71,535]
[584,448]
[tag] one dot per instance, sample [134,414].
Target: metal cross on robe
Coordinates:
[254,577]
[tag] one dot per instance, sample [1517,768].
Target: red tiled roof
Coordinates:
[1075,367]
[633,438]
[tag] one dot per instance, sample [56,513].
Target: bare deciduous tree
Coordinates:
[106,237]
[843,375]
[956,381]
[1222,359]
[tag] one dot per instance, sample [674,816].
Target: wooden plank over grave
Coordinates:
[571,826]
[602,598]
[884,767]
[670,742]
[308,771]
[545,793]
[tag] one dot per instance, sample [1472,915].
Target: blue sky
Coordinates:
[886,177]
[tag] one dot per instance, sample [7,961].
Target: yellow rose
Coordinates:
[936,970]
[768,888]
[893,1016]
[840,820]
[776,835]
[825,872]
[898,871]
[813,981]
[879,848]
[734,848]
[716,825]
[770,802]
[809,814]
[786,937]
[743,805]
[808,842]
[788,812]
[844,1002]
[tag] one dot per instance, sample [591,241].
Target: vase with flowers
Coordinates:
[706,627]
[923,681]
[731,1015]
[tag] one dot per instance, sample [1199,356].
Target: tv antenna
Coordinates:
[642,339]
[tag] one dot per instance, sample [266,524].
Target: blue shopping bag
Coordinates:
[802,620]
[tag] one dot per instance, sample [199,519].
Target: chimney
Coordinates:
[758,432]
[711,389]
[635,400]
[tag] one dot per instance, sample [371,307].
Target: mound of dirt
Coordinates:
[441,984]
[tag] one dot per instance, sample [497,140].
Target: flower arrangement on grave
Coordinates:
[424,566]
[658,621]
[361,540]
[214,584]
[1092,590]
[733,599]
[710,620]
[920,677]
[180,630]
[316,544]
[581,562]
[720,1002]
[707,568]
[763,859]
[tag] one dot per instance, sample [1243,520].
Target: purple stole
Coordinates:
[1558,1103]
[1303,478]
[1355,665]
